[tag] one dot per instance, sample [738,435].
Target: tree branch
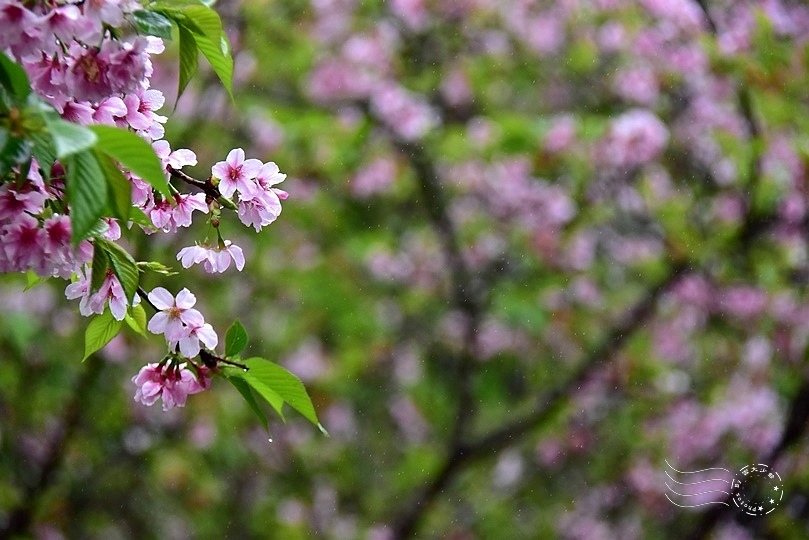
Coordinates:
[547,404]
[21,517]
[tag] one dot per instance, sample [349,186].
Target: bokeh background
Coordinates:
[532,251]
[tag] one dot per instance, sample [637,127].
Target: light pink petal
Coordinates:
[157,324]
[222,262]
[207,335]
[118,307]
[175,331]
[192,318]
[182,157]
[238,256]
[154,99]
[235,157]
[189,346]
[220,170]
[161,298]
[185,299]
[227,187]
[251,167]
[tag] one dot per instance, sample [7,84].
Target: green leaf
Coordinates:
[98,272]
[188,59]
[13,77]
[32,280]
[123,265]
[244,389]
[204,21]
[268,378]
[120,189]
[218,55]
[157,267]
[99,332]
[44,151]
[68,138]
[153,23]
[87,193]
[16,150]
[139,217]
[235,339]
[272,397]
[133,153]
[205,27]
[136,319]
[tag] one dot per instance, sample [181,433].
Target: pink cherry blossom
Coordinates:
[259,211]
[635,137]
[197,331]
[237,173]
[172,384]
[160,214]
[176,159]
[22,29]
[173,314]
[186,204]
[78,112]
[110,291]
[56,245]
[29,198]
[214,259]
[269,176]
[81,289]
[108,110]
[21,242]
[140,115]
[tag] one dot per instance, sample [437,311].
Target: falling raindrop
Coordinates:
[269,440]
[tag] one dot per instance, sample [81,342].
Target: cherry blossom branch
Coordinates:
[208,358]
[207,187]
[145,297]
[211,360]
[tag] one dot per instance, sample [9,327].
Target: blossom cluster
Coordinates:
[87,62]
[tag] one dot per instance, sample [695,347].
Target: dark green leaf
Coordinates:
[16,150]
[123,265]
[244,389]
[99,332]
[13,77]
[87,193]
[188,59]
[235,339]
[264,375]
[101,263]
[44,151]
[133,153]
[221,62]
[153,23]
[120,189]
